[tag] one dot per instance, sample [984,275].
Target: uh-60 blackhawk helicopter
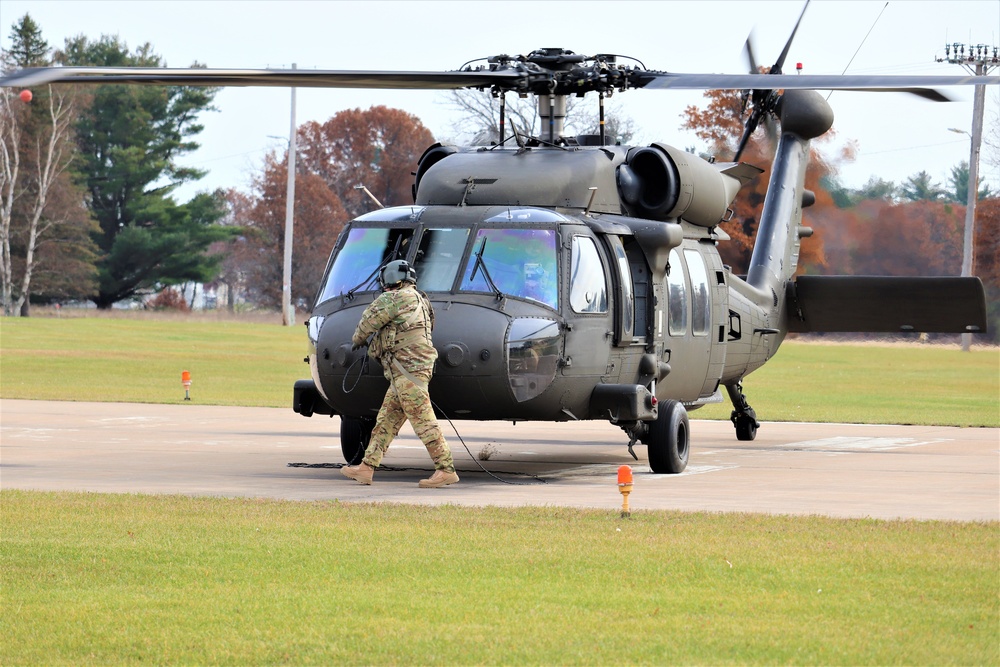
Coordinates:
[574,279]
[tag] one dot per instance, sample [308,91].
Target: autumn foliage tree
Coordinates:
[720,124]
[877,237]
[257,256]
[377,148]
[986,259]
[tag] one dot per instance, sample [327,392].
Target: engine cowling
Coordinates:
[664,183]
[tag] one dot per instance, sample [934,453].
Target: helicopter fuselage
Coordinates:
[573,322]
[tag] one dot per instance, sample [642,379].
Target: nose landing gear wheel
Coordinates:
[355,432]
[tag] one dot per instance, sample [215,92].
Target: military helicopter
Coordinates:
[576,279]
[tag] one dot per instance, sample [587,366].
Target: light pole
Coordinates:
[287,308]
[970,212]
[970,216]
[979,61]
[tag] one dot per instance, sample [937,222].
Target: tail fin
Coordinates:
[805,115]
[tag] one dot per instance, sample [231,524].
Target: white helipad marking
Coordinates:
[845,443]
[701,470]
[34,433]
[137,421]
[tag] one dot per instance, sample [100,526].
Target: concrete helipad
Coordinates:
[843,470]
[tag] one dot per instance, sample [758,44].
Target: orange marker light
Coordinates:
[625,487]
[25,96]
[624,475]
[186,381]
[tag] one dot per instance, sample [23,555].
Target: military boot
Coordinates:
[361,473]
[438,479]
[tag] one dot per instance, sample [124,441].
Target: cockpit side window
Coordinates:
[588,286]
[355,265]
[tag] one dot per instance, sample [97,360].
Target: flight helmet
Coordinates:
[396,272]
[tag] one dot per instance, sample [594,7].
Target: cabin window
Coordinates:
[355,266]
[700,305]
[624,289]
[588,290]
[627,299]
[439,257]
[676,296]
[520,262]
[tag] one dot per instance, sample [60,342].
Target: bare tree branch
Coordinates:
[10,163]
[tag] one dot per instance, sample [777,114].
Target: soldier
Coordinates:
[401,320]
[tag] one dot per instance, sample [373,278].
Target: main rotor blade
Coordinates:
[506,79]
[748,53]
[289,78]
[916,84]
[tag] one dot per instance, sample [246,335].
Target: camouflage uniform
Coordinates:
[401,320]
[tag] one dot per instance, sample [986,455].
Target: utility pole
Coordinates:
[287,307]
[978,60]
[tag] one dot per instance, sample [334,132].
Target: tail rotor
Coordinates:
[763,102]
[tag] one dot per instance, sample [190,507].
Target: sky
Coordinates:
[897,135]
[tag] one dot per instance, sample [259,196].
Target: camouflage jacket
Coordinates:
[402,320]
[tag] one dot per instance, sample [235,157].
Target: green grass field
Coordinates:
[254,364]
[129,579]
[98,579]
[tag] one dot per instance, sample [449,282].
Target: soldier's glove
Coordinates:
[356,346]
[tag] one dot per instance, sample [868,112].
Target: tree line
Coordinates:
[87,178]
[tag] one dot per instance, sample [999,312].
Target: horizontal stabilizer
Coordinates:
[886,304]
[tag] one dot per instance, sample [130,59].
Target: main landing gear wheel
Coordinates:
[668,439]
[355,432]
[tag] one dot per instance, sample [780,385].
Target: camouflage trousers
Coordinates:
[408,400]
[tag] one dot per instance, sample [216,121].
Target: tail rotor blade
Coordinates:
[776,68]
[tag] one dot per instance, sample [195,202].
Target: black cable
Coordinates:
[364,369]
[476,461]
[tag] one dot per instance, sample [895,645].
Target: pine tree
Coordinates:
[130,138]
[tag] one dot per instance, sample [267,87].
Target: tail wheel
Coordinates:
[746,427]
[355,432]
[668,439]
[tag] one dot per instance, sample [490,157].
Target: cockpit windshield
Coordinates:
[355,267]
[439,258]
[517,263]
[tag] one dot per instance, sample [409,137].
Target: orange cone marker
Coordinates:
[625,487]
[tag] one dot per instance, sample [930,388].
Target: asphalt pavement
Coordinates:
[840,470]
